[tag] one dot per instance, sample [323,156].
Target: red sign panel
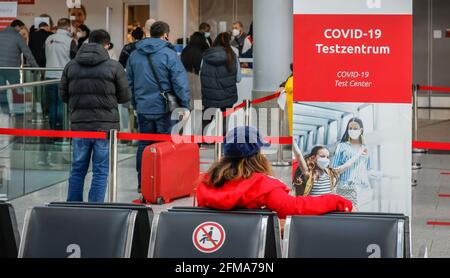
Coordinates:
[353,58]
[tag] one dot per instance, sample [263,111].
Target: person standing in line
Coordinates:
[12,47]
[83,34]
[154,117]
[220,72]
[60,48]
[205,29]
[192,57]
[148,26]
[137,34]
[93,85]
[238,37]
[37,43]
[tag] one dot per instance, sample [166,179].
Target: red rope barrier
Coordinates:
[234,109]
[432,88]
[253,102]
[170,138]
[437,146]
[266,99]
[53,133]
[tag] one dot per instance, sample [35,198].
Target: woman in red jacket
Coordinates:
[243,179]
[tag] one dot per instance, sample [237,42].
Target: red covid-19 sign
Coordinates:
[353,57]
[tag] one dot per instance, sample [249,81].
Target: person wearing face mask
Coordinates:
[154,68]
[357,176]
[82,34]
[205,30]
[238,37]
[318,177]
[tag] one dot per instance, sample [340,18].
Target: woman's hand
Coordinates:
[363,151]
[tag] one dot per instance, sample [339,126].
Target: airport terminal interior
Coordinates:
[34,171]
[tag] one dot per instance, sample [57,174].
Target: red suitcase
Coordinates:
[169,171]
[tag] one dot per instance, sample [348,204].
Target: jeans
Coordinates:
[150,124]
[83,150]
[11,77]
[55,107]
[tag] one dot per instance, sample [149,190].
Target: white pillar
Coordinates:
[273,40]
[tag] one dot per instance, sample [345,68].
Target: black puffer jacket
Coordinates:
[219,89]
[93,85]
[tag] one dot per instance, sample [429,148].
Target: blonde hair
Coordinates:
[228,169]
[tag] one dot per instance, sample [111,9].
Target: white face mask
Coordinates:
[207,35]
[236,32]
[323,163]
[354,134]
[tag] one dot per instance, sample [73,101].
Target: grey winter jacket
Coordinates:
[12,46]
[94,85]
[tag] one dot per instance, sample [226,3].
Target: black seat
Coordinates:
[53,232]
[184,234]
[359,235]
[273,238]
[9,234]
[142,229]
[407,225]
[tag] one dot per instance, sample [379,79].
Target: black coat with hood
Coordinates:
[93,85]
[219,81]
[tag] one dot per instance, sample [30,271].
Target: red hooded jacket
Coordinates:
[262,191]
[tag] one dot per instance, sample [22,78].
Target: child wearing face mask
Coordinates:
[318,177]
[357,176]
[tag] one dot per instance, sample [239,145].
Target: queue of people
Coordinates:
[93,85]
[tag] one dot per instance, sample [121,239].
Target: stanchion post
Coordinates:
[415,109]
[280,160]
[415,165]
[416,118]
[113,166]
[219,133]
[248,113]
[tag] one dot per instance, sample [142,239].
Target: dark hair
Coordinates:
[250,31]
[292,67]
[17,23]
[159,28]
[49,19]
[43,24]
[193,53]
[82,7]
[100,37]
[138,33]
[63,23]
[224,40]
[346,136]
[229,169]
[204,26]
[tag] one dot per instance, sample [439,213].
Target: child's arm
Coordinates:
[351,161]
[299,157]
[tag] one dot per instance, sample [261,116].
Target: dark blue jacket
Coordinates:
[219,89]
[146,94]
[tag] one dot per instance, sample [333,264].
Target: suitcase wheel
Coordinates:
[160,201]
[142,200]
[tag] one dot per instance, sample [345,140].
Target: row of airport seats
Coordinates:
[82,230]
